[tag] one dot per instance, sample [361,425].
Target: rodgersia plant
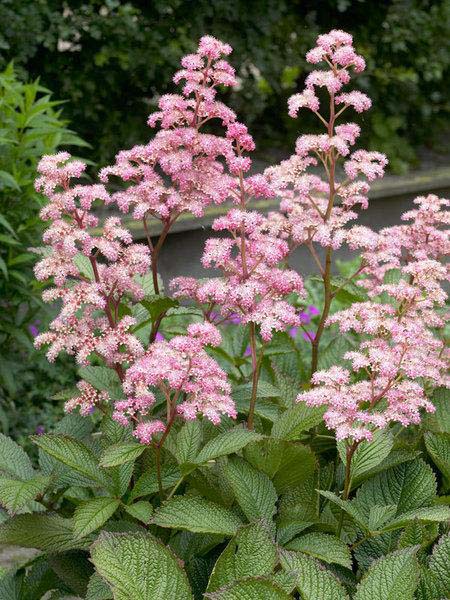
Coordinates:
[192,466]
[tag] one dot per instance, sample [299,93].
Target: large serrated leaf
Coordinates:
[74,454]
[312,580]
[438,447]
[198,515]
[295,420]
[347,506]
[119,454]
[429,514]
[392,577]
[15,495]
[148,482]
[139,567]
[98,589]
[13,460]
[142,511]
[323,546]
[439,563]
[251,589]
[409,486]
[251,553]
[41,531]
[92,514]
[188,442]
[227,442]
[254,491]
[368,454]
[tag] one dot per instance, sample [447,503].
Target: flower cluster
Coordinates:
[181,168]
[253,285]
[399,356]
[92,273]
[190,380]
[314,210]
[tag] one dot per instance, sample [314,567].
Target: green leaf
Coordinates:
[92,514]
[74,454]
[323,546]
[312,580]
[103,379]
[84,266]
[368,454]
[295,420]
[439,562]
[378,515]
[198,515]
[188,442]
[349,507]
[409,485]
[254,491]
[15,495]
[142,511]
[156,304]
[148,483]
[251,553]
[118,454]
[438,447]
[251,589]
[332,353]
[13,460]
[139,567]
[42,531]
[431,514]
[98,589]
[392,577]
[227,442]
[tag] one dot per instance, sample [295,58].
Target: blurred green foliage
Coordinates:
[112,58]
[30,126]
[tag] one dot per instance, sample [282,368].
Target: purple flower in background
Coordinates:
[293,332]
[40,430]
[305,317]
[234,318]
[312,310]
[309,335]
[213,316]
[248,351]
[33,328]
[159,337]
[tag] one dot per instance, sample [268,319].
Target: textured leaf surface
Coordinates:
[98,589]
[439,563]
[139,567]
[13,460]
[251,589]
[148,483]
[15,495]
[438,447]
[409,485]
[118,454]
[431,514]
[295,420]
[41,531]
[74,454]
[198,515]
[368,454]
[142,511]
[312,580]
[188,442]
[92,514]
[390,578]
[326,547]
[251,553]
[254,491]
[349,507]
[227,443]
